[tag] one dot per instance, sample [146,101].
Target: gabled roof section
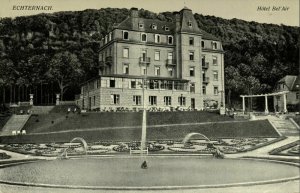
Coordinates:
[291,82]
[296,85]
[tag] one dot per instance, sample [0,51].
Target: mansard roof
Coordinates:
[131,24]
[128,24]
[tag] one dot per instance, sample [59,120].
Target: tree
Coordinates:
[8,75]
[64,68]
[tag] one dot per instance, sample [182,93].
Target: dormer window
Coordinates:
[157,38]
[141,25]
[167,28]
[144,37]
[214,45]
[170,39]
[154,26]
[125,35]
[190,23]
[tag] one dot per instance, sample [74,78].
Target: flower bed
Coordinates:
[290,149]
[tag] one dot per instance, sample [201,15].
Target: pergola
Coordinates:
[283,93]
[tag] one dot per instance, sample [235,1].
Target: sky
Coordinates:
[263,11]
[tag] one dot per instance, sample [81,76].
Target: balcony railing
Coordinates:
[171,62]
[205,80]
[205,65]
[108,60]
[144,60]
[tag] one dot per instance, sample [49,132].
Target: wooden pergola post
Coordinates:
[243,104]
[266,105]
[284,103]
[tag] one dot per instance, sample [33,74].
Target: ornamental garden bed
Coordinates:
[227,146]
[291,149]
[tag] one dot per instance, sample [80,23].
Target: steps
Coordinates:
[41,109]
[15,123]
[284,126]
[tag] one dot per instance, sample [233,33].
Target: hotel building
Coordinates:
[180,66]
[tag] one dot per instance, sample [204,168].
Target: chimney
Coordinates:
[134,12]
[177,20]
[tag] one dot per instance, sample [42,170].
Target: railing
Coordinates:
[205,80]
[144,60]
[171,62]
[205,65]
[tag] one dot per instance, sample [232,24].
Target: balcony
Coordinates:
[109,60]
[205,80]
[145,60]
[171,62]
[205,65]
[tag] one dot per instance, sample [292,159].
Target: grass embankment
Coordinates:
[73,121]
[172,132]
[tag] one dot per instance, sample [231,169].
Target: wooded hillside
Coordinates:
[257,55]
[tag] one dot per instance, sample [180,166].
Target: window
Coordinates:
[181,101]
[204,90]
[190,23]
[167,100]
[215,60]
[203,60]
[170,39]
[167,28]
[215,75]
[214,45]
[152,100]
[144,71]
[154,84]
[202,44]
[192,71]
[157,55]
[143,37]
[157,71]
[179,85]
[133,84]
[191,55]
[297,95]
[216,90]
[105,39]
[125,35]
[154,26]
[170,71]
[157,38]
[144,55]
[137,99]
[192,87]
[191,41]
[141,25]
[94,101]
[112,83]
[125,52]
[115,99]
[125,69]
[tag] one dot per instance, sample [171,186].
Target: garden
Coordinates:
[194,146]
